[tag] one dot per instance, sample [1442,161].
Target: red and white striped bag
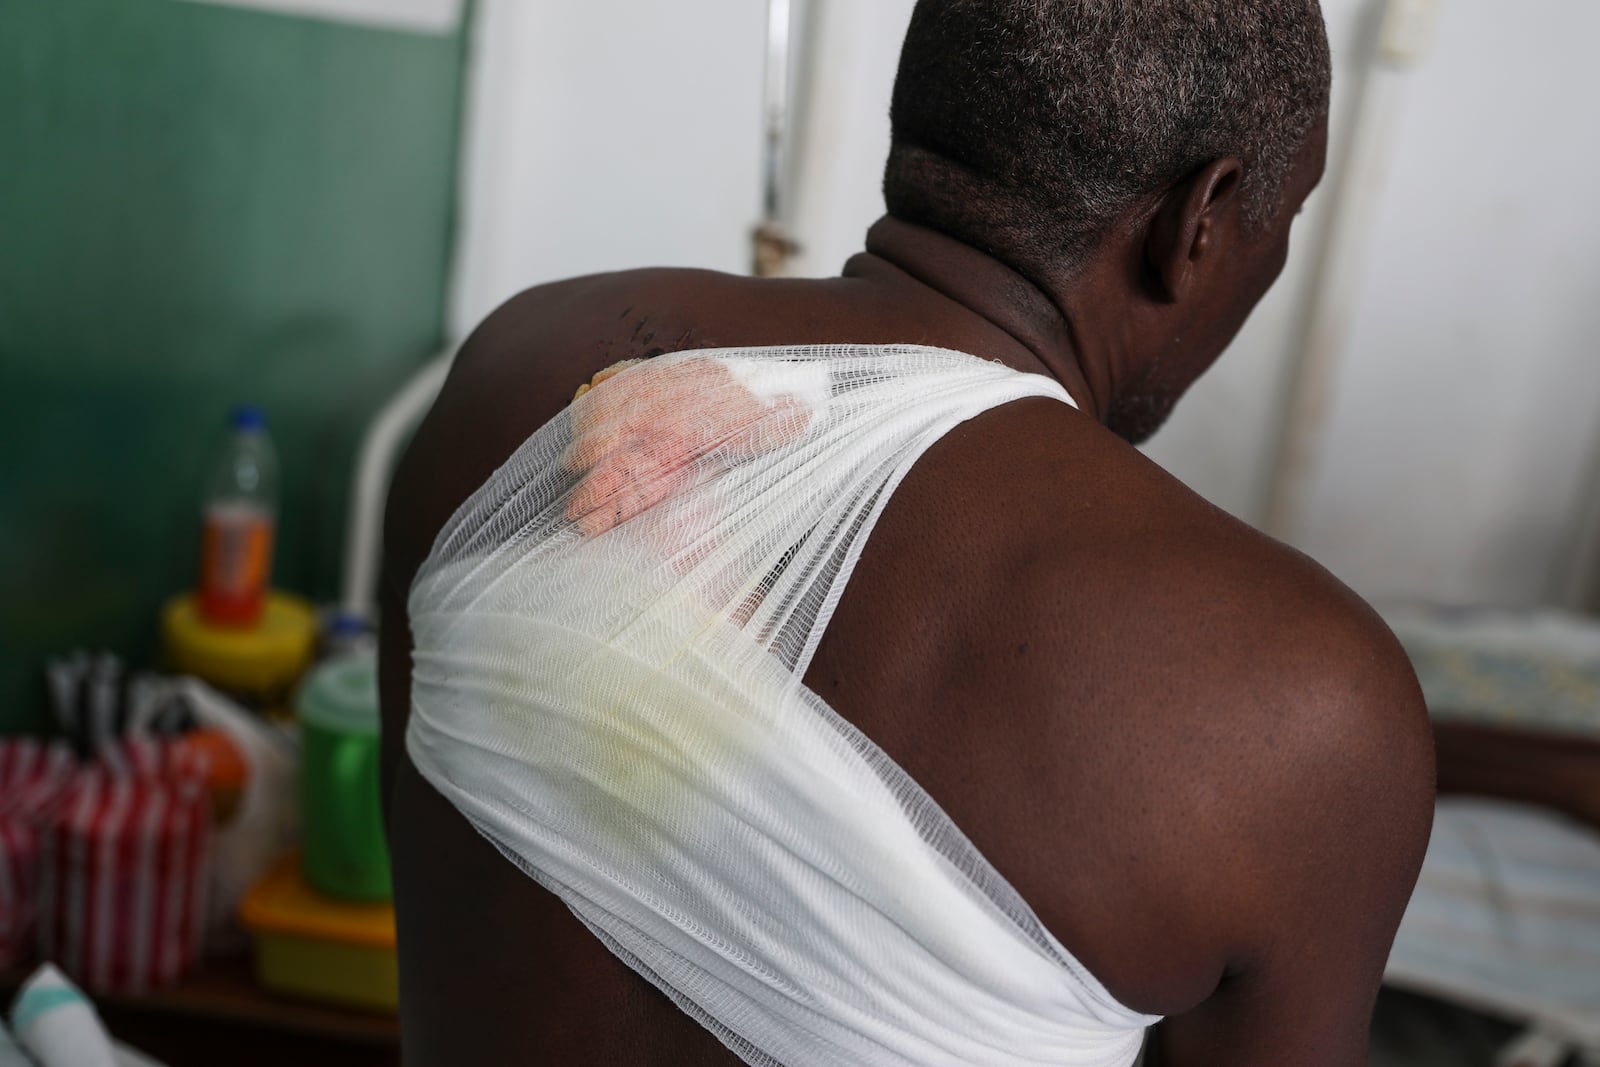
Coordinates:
[33,776]
[124,872]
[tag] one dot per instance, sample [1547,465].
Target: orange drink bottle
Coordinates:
[239,516]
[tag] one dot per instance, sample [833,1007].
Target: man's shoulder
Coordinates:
[1237,636]
[1299,752]
[1037,513]
[1275,723]
[599,317]
[1176,577]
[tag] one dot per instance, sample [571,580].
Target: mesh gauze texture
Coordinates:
[610,637]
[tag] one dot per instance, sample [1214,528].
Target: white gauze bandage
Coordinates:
[610,640]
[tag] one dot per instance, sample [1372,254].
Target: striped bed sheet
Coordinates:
[1506,918]
[1506,915]
[1537,670]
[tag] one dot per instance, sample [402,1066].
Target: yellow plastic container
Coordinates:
[260,663]
[321,949]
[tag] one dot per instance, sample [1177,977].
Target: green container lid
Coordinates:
[341,695]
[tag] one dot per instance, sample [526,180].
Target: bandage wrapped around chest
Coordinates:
[610,639]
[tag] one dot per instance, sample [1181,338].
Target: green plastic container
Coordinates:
[345,854]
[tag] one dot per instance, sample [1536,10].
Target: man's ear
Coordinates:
[1184,229]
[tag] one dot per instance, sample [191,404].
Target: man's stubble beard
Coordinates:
[1136,414]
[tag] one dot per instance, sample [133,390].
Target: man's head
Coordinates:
[1054,134]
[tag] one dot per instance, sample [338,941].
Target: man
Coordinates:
[1200,760]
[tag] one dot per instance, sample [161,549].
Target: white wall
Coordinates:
[852,52]
[1466,416]
[605,135]
[1463,432]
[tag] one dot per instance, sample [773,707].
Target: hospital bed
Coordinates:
[1506,914]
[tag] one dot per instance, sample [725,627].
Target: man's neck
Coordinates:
[1043,326]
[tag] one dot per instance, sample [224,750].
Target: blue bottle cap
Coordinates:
[346,624]
[248,417]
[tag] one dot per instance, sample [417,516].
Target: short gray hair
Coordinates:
[1028,127]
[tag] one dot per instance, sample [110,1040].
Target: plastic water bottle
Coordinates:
[240,517]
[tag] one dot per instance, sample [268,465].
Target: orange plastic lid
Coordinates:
[225,767]
[282,903]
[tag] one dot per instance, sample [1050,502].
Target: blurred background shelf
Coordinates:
[220,1015]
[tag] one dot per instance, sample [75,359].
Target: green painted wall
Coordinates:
[198,206]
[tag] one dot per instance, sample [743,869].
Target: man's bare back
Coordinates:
[1200,759]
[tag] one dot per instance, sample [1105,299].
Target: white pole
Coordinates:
[772,245]
[380,447]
